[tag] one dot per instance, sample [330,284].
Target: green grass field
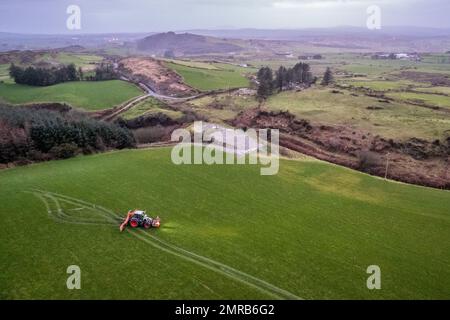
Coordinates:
[226,76]
[441,90]
[397,120]
[386,85]
[310,232]
[150,106]
[372,68]
[430,99]
[85,61]
[230,106]
[4,73]
[194,64]
[355,63]
[86,95]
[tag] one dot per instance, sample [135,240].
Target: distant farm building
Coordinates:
[397,56]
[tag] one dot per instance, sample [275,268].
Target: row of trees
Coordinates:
[288,78]
[105,71]
[285,78]
[38,76]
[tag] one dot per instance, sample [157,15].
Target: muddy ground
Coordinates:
[155,75]
[413,161]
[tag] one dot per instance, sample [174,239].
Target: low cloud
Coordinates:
[49,16]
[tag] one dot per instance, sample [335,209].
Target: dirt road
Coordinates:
[148,93]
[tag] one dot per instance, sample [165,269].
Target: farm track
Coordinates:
[124,108]
[149,92]
[110,116]
[53,202]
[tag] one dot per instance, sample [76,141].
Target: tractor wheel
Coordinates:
[134,224]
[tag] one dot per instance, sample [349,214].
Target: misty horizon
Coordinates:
[336,28]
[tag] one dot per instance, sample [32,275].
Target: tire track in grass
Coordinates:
[239,276]
[229,271]
[80,202]
[58,214]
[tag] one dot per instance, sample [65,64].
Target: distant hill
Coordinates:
[186,44]
[15,41]
[36,57]
[388,39]
[74,48]
[308,33]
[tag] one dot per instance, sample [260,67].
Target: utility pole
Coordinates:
[447,178]
[387,166]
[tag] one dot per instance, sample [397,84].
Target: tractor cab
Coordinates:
[139,213]
[139,218]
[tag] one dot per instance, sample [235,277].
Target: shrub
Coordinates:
[368,160]
[64,151]
[150,134]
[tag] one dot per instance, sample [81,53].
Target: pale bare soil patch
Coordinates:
[158,77]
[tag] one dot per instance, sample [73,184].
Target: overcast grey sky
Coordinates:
[98,16]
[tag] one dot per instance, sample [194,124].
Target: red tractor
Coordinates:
[138,218]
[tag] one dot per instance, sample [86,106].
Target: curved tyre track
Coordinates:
[53,202]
